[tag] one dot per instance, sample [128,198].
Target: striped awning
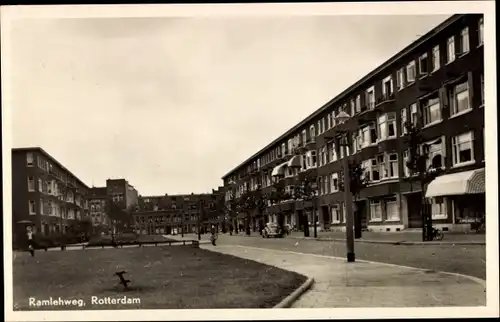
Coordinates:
[460,183]
[295,162]
[279,170]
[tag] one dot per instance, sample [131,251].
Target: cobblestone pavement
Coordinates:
[463,259]
[365,284]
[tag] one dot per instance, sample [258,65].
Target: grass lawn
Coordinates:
[168,277]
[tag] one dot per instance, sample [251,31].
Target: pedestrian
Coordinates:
[29,233]
[213,236]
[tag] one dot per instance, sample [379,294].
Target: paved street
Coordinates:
[363,284]
[463,259]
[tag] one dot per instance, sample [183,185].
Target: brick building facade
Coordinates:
[436,83]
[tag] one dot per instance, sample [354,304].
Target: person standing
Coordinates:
[29,233]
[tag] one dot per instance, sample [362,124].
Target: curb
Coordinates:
[290,299]
[406,243]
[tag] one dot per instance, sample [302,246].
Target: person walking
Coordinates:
[213,236]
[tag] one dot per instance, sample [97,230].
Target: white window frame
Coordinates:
[404,118]
[312,131]
[334,178]
[371,141]
[421,72]
[412,66]
[332,157]
[406,170]
[450,50]
[434,150]
[480,31]
[41,206]
[370,98]
[335,214]
[393,160]
[329,120]
[32,186]
[30,159]
[326,185]
[400,78]
[377,205]
[463,138]
[464,41]
[436,58]
[439,210]
[357,104]
[386,80]
[290,146]
[386,120]
[323,129]
[32,207]
[304,137]
[414,113]
[454,92]
[392,202]
[426,110]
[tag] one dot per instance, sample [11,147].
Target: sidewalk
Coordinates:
[366,284]
[399,238]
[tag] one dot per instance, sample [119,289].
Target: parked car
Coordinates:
[272,230]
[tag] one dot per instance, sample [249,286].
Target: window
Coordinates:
[358,104]
[393,171]
[323,156]
[436,152]
[381,167]
[31,183]
[319,128]
[329,121]
[332,154]
[29,159]
[326,184]
[335,214]
[482,90]
[404,118]
[413,114]
[400,79]
[423,63]
[312,131]
[436,59]
[369,135]
[392,209]
[438,208]
[372,172]
[310,159]
[40,185]
[323,129]
[387,126]
[406,158]
[480,30]
[334,180]
[290,146]
[464,41]
[450,50]
[41,206]
[410,72]
[320,183]
[459,98]
[32,207]
[353,107]
[463,148]
[387,86]
[370,98]
[431,109]
[304,136]
[375,210]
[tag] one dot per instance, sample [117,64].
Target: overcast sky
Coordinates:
[173,104]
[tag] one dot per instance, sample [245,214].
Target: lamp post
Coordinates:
[344,142]
[314,199]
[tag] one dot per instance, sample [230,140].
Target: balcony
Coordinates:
[310,143]
[385,103]
[367,115]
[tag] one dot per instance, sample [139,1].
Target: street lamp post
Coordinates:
[344,142]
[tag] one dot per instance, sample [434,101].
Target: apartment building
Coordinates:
[97,200]
[45,194]
[436,83]
[176,213]
[122,193]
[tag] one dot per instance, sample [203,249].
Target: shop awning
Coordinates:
[460,183]
[295,162]
[279,170]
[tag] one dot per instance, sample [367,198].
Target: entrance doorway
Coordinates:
[414,206]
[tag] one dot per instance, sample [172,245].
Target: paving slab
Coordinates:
[339,284]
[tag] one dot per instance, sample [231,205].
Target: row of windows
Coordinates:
[49,208]
[405,76]
[45,165]
[53,188]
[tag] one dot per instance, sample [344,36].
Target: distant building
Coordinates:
[176,213]
[97,203]
[45,193]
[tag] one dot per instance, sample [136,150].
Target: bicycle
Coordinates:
[437,234]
